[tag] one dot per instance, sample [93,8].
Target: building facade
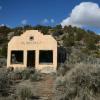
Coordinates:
[34,50]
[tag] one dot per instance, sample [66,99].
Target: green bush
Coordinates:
[18,75]
[24,93]
[35,77]
[6,98]
[26,73]
[4,51]
[60,81]
[14,75]
[63,69]
[82,83]
[4,83]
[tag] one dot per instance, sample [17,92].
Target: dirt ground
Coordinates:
[44,89]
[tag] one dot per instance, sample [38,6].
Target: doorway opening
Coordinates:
[31,58]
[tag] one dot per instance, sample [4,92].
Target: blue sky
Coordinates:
[46,12]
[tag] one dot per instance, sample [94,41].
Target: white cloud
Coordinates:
[84,14]
[0,7]
[45,21]
[2,25]
[52,20]
[24,22]
[48,21]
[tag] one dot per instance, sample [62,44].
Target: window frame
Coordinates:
[46,63]
[12,63]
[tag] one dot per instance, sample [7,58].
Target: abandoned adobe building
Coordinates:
[32,49]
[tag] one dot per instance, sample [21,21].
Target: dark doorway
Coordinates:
[31,58]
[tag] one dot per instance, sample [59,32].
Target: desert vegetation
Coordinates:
[9,80]
[69,37]
[81,82]
[77,76]
[73,81]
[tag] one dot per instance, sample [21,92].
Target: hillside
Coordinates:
[77,76]
[70,38]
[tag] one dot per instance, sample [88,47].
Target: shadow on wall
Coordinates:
[62,54]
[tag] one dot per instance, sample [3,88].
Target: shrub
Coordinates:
[4,51]
[35,77]
[14,75]
[60,81]
[82,83]
[10,69]
[7,98]
[63,69]
[27,72]
[4,83]
[18,75]
[24,93]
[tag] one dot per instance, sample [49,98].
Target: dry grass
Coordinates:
[82,82]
